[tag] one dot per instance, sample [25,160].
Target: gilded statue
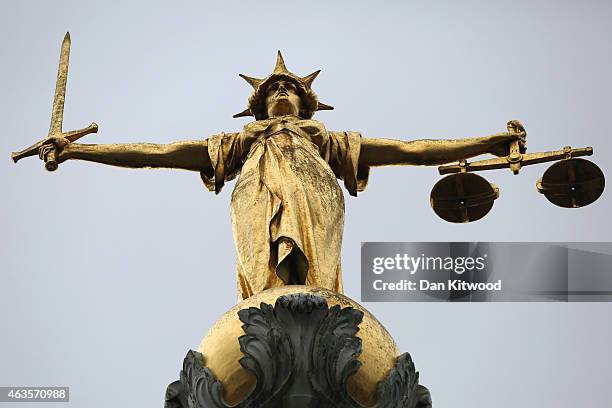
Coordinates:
[287,207]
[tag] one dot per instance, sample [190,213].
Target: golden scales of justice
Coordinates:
[460,197]
[463,196]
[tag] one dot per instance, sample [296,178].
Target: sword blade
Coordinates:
[57,114]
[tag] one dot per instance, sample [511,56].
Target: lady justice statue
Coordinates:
[287,208]
[314,347]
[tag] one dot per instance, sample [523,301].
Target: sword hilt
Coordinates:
[51,159]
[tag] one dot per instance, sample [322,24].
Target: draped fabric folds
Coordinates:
[287,208]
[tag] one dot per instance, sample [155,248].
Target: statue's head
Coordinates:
[282,93]
[283,98]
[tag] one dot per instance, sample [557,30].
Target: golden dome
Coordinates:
[221,349]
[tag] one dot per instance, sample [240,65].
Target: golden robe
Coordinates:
[287,208]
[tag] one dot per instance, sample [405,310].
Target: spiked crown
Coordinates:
[257,100]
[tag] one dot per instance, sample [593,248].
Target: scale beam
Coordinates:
[525,159]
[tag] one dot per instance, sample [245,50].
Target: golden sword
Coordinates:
[57,115]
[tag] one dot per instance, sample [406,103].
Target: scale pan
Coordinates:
[463,197]
[572,183]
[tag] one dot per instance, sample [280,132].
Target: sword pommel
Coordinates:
[51,161]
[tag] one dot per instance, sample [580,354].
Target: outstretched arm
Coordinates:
[187,155]
[388,152]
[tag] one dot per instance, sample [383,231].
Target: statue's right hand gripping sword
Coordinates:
[57,115]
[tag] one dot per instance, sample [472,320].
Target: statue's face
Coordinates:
[282,99]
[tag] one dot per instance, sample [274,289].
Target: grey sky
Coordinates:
[110,275]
